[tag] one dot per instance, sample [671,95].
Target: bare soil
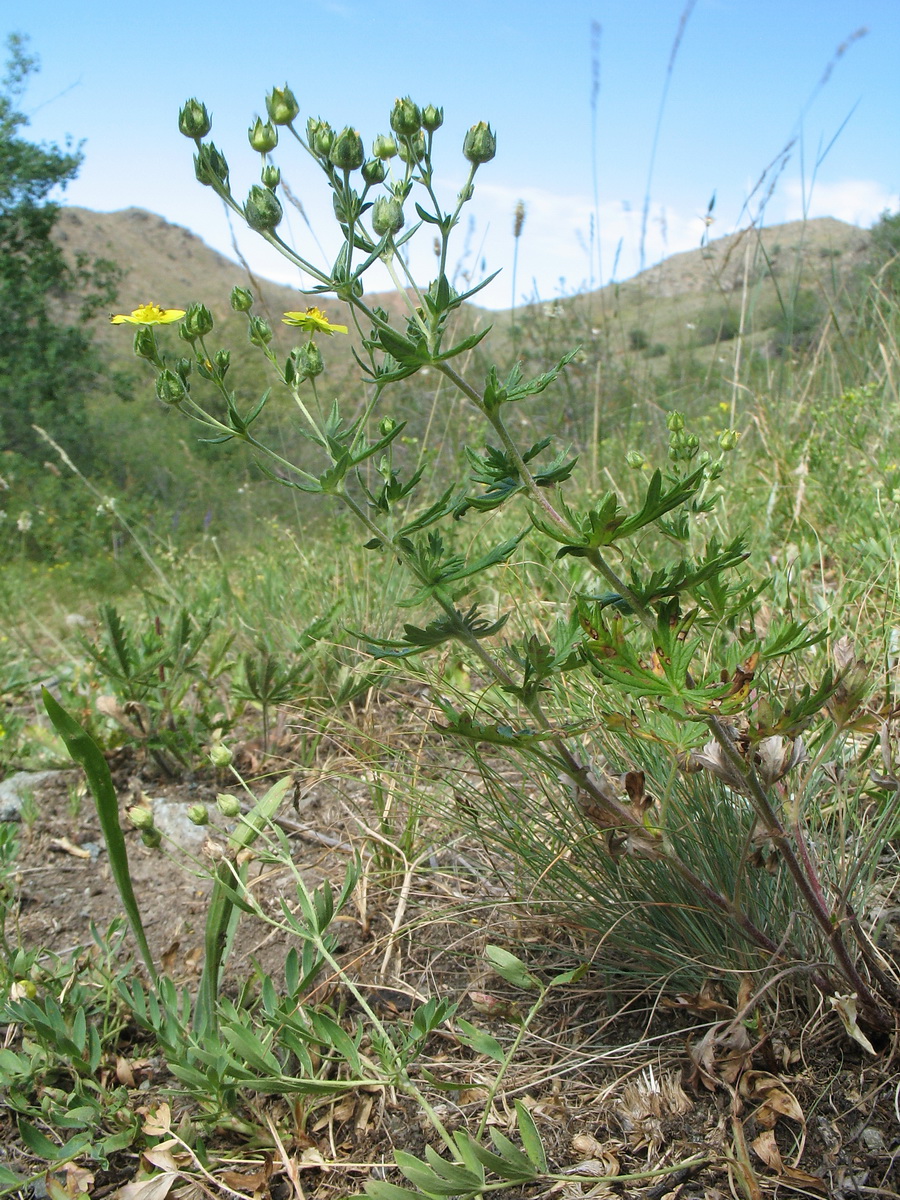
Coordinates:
[617,1084]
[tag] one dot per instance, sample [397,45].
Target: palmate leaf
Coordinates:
[436,568]
[442,629]
[608,521]
[512,389]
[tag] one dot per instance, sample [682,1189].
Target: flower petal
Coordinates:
[149,314]
[314,321]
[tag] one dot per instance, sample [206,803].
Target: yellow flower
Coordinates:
[313,320]
[149,314]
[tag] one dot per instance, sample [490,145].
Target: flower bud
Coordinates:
[223,361]
[347,152]
[413,150]
[263,137]
[260,331]
[210,166]
[169,388]
[151,838]
[384,147]
[198,322]
[270,176]
[374,171]
[432,118]
[387,425]
[480,144]
[729,439]
[145,346]
[193,119]
[228,806]
[183,368]
[387,215]
[675,422]
[197,814]
[281,105]
[320,136]
[241,299]
[635,459]
[262,210]
[140,817]
[406,117]
[307,361]
[220,755]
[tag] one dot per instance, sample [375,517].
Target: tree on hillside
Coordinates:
[46,366]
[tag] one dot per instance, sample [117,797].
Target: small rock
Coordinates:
[873,1139]
[171,819]
[17,788]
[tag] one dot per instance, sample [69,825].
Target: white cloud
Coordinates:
[859,201]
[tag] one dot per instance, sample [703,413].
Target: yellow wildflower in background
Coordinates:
[149,314]
[314,321]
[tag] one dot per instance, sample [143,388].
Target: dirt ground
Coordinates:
[616,1084]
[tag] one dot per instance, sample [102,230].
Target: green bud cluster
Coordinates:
[384,147]
[683,446]
[262,210]
[211,167]
[406,117]
[170,388]
[412,149]
[480,144]
[304,362]
[374,171]
[387,215]
[220,755]
[432,118]
[228,806]
[319,137]
[145,346]
[282,106]
[197,323]
[193,120]
[241,299]
[347,153]
[260,332]
[263,137]
[141,818]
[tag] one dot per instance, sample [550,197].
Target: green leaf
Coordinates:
[501,1166]
[510,1153]
[422,1177]
[531,1139]
[378,1189]
[510,968]
[464,1179]
[85,751]
[479,1041]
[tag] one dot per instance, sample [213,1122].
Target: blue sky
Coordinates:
[747,80]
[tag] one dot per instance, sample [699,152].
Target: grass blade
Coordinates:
[85,751]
